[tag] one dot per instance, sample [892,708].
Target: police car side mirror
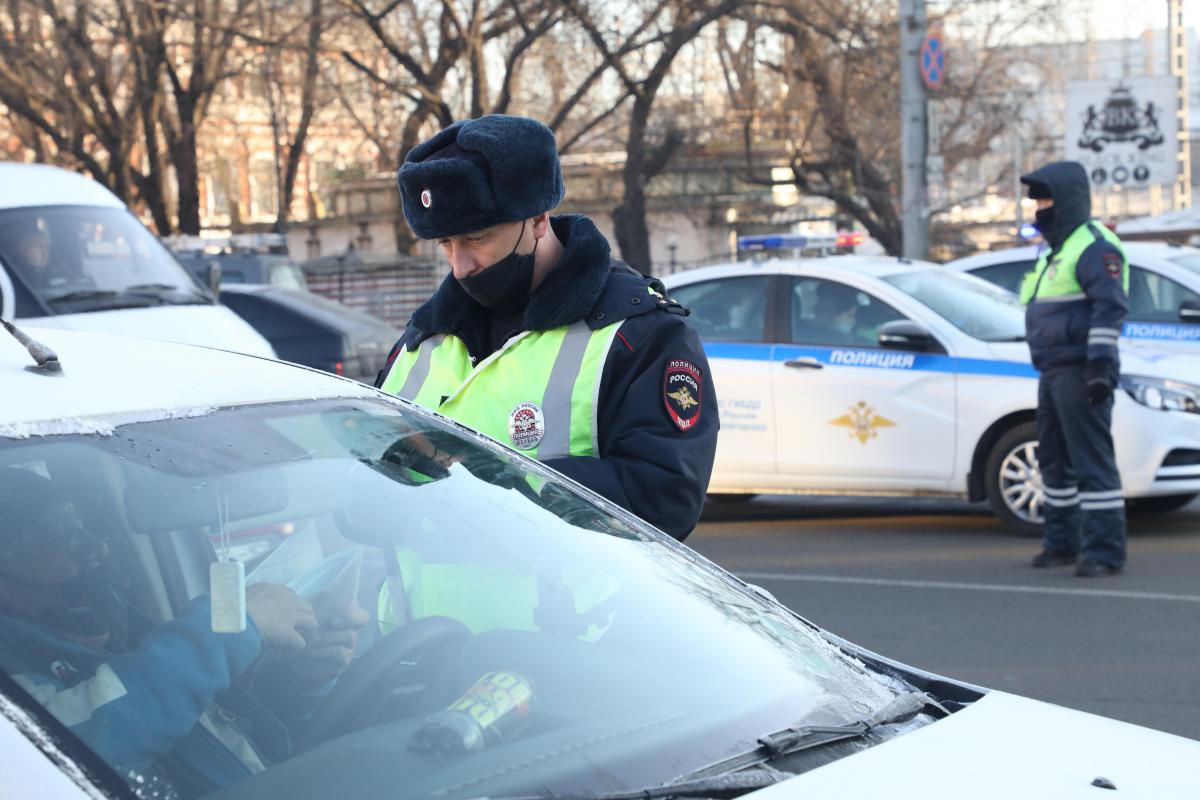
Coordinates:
[904,334]
[1189,311]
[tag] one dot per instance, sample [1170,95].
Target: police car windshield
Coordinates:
[1190,262]
[89,258]
[973,305]
[509,635]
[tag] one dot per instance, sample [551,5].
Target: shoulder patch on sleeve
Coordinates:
[1113,264]
[682,392]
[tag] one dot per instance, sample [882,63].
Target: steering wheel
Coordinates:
[355,687]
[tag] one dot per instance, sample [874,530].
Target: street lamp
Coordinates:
[672,244]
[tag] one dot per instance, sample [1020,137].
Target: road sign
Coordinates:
[932,60]
[1124,133]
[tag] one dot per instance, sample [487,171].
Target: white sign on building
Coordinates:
[1124,132]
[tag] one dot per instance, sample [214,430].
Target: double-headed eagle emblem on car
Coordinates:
[863,422]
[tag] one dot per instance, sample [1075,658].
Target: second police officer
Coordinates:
[1077,300]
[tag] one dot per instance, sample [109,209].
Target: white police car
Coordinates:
[873,375]
[550,644]
[1164,289]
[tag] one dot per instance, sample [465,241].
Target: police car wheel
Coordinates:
[1014,482]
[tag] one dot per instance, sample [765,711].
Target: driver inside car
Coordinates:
[174,701]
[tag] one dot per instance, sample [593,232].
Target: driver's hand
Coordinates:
[423,445]
[282,618]
[331,647]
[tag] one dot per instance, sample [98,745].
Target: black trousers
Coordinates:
[1084,509]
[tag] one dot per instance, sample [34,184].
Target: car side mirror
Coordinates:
[904,334]
[213,277]
[1189,311]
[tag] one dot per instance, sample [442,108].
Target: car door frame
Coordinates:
[944,480]
[740,476]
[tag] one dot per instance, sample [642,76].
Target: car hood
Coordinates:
[1005,746]
[1137,358]
[205,325]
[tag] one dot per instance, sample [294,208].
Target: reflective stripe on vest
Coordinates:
[1054,279]
[538,394]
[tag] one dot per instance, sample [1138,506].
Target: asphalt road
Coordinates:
[943,586]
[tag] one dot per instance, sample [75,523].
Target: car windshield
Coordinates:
[510,634]
[1190,262]
[973,305]
[91,258]
[288,275]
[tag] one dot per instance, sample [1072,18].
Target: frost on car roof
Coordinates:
[126,379]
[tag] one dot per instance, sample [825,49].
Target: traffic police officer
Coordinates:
[540,339]
[1076,298]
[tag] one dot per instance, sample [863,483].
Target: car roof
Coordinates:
[874,266]
[114,376]
[26,185]
[1136,250]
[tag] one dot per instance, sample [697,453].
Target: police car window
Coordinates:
[831,313]
[971,304]
[1006,276]
[727,309]
[1154,298]
[1190,262]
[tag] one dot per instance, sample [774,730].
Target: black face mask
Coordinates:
[505,285]
[1043,218]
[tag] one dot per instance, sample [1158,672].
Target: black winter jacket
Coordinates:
[647,464]
[1062,333]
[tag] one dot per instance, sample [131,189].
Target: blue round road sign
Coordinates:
[933,61]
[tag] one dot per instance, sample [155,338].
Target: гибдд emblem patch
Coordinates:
[526,426]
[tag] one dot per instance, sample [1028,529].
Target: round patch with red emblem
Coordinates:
[1113,264]
[426,198]
[682,382]
[526,426]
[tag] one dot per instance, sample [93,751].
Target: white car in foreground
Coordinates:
[1164,289]
[549,644]
[872,375]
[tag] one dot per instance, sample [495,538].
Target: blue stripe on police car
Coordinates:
[870,359]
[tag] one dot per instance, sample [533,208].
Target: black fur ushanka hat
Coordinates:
[478,173]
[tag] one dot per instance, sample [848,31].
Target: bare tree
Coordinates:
[840,66]
[673,24]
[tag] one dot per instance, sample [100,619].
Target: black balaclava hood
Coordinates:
[1066,182]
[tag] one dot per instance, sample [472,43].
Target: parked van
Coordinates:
[73,256]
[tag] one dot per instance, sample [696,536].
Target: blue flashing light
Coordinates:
[1028,232]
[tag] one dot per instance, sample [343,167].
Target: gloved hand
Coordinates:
[1100,382]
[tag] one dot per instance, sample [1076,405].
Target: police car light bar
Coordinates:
[786,242]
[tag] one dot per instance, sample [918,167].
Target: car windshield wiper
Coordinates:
[734,776]
[106,299]
[82,294]
[165,292]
